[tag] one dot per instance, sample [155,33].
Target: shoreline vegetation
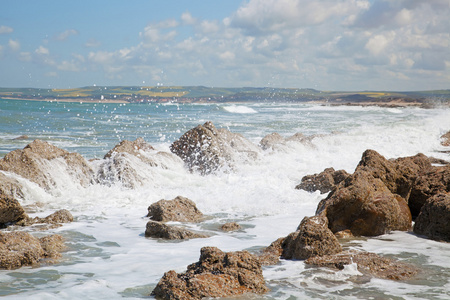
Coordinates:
[201,94]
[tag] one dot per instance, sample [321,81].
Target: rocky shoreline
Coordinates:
[380,196]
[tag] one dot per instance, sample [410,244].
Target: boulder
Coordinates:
[311,238]
[206,149]
[58,217]
[270,140]
[179,209]
[445,139]
[19,249]
[271,255]
[10,186]
[10,210]
[216,274]
[365,206]
[433,182]
[133,148]
[324,182]
[37,161]
[367,263]
[434,217]
[230,226]
[156,229]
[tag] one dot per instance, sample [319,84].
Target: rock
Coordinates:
[156,229]
[435,181]
[365,206]
[180,209]
[37,161]
[133,148]
[22,137]
[323,182]
[19,249]
[271,255]
[216,274]
[231,226]
[270,140]
[10,210]
[445,139]
[367,263]
[10,186]
[434,217]
[58,217]
[398,175]
[311,238]
[206,149]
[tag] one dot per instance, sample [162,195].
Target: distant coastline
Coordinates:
[201,94]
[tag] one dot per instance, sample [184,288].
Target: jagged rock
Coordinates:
[133,148]
[19,249]
[179,209]
[38,158]
[206,149]
[10,186]
[367,263]
[230,226]
[435,181]
[156,229]
[271,255]
[311,238]
[445,139]
[216,274]
[10,210]
[324,182]
[270,140]
[365,206]
[58,217]
[434,217]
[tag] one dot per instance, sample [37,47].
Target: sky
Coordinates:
[338,45]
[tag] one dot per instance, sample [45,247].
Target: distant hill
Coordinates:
[147,94]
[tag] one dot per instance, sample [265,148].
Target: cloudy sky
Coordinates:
[322,44]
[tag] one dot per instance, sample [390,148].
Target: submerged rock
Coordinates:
[156,229]
[10,210]
[434,218]
[179,209]
[365,206]
[324,182]
[311,238]
[19,249]
[367,263]
[58,217]
[216,274]
[230,226]
[38,159]
[206,149]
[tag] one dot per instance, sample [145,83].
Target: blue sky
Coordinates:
[322,44]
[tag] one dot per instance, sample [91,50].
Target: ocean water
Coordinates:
[108,256]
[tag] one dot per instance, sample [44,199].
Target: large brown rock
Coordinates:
[433,182]
[206,149]
[367,263]
[10,186]
[311,238]
[434,218]
[179,209]
[10,210]
[445,139]
[36,161]
[216,274]
[365,206]
[19,249]
[156,229]
[324,182]
[131,147]
[56,218]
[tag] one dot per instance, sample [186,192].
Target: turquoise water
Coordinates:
[109,258]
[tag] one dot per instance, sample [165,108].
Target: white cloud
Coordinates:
[62,36]
[41,50]
[92,43]
[188,19]
[14,45]
[6,29]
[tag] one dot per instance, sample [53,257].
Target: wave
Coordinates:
[239,109]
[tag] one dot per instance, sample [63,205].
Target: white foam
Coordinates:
[239,109]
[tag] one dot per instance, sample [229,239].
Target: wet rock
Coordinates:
[206,149]
[22,137]
[271,255]
[311,238]
[367,263]
[364,205]
[216,274]
[156,229]
[230,226]
[10,186]
[435,181]
[39,159]
[445,139]
[19,249]
[270,140]
[58,217]
[434,217]
[10,210]
[133,148]
[324,182]
[179,209]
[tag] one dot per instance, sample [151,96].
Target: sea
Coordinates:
[108,256]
